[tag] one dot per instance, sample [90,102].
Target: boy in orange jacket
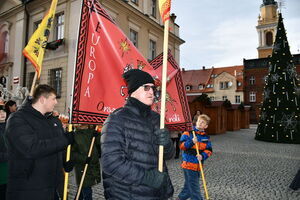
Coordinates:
[190,160]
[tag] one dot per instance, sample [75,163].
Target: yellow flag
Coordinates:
[35,48]
[164,9]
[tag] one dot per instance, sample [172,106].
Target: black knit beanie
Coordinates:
[136,78]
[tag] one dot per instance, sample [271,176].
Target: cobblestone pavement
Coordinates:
[240,168]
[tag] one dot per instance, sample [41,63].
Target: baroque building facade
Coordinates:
[138,19]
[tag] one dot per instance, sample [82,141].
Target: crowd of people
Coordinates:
[5,110]
[33,143]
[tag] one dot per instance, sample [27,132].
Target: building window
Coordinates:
[252,97]
[224,85]
[55,80]
[239,83]
[187,88]
[152,50]
[237,99]
[269,38]
[30,80]
[212,98]
[224,98]
[36,25]
[134,37]
[200,87]
[252,80]
[135,2]
[60,26]
[6,42]
[153,8]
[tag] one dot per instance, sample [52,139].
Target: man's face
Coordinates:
[201,124]
[145,94]
[2,115]
[49,103]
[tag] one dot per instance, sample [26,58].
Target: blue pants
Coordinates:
[86,194]
[191,188]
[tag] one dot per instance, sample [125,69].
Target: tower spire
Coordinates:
[266,28]
[269,2]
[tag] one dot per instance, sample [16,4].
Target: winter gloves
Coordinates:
[68,166]
[70,137]
[154,178]
[163,138]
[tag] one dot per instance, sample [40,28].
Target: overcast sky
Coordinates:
[221,33]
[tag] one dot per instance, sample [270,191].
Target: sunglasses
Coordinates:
[147,87]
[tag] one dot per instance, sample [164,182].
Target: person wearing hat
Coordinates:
[130,144]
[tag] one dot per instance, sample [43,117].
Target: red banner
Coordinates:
[104,53]
[178,115]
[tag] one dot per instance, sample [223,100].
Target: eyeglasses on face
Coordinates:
[147,87]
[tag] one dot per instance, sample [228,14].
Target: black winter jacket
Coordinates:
[35,145]
[128,149]
[3,150]
[80,150]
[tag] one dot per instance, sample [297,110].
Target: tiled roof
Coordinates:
[196,77]
[206,76]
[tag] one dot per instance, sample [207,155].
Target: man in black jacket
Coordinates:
[129,145]
[35,140]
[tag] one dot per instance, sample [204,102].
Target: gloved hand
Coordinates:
[88,160]
[68,166]
[162,136]
[70,137]
[154,178]
[95,133]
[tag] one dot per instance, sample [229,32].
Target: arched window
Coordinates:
[4,40]
[269,38]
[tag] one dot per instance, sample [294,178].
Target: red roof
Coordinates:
[205,77]
[195,78]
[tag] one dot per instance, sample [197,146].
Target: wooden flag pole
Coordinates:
[33,84]
[66,173]
[163,92]
[86,166]
[201,169]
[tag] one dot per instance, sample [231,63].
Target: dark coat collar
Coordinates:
[138,107]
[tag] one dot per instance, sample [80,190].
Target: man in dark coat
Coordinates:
[3,155]
[130,144]
[79,157]
[35,141]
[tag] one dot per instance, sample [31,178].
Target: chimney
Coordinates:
[183,70]
[203,67]
[235,72]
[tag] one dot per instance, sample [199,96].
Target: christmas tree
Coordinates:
[280,115]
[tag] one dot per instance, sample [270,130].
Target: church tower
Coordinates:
[266,28]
